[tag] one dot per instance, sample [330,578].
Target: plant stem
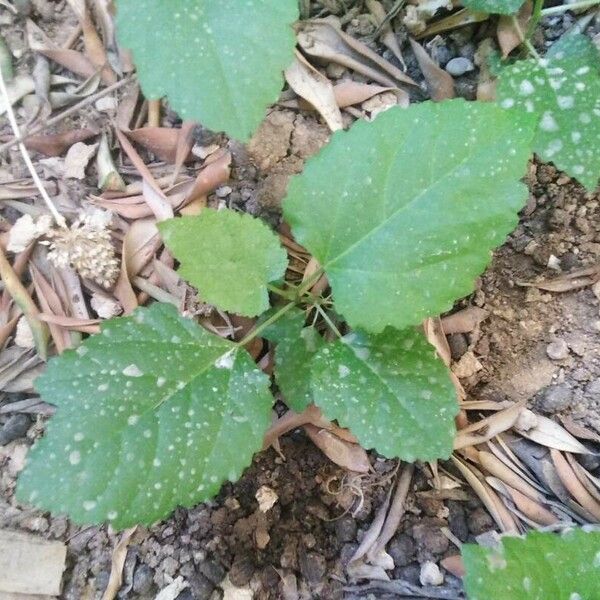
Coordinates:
[557,10]
[275,317]
[524,40]
[328,321]
[60,220]
[284,294]
[536,15]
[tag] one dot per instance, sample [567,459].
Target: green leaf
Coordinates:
[565,95]
[153,413]
[391,390]
[296,346]
[402,213]
[496,7]
[538,567]
[574,45]
[230,257]
[220,62]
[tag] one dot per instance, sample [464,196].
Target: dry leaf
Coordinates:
[118,561]
[77,159]
[322,39]
[565,283]
[56,144]
[464,321]
[548,433]
[350,92]
[439,82]
[161,141]
[509,36]
[345,454]
[388,37]
[314,87]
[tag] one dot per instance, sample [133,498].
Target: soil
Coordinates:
[537,346]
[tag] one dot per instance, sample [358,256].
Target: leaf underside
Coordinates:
[538,567]
[404,231]
[390,390]
[230,257]
[564,92]
[496,7]
[220,62]
[152,413]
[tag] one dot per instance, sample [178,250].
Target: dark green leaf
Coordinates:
[152,413]
[230,257]
[500,7]
[390,390]
[402,213]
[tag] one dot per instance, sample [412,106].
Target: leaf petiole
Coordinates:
[275,317]
[557,10]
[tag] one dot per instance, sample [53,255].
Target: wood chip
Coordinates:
[30,565]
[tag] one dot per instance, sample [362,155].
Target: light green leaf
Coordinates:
[496,7]
[541,566]
[574,45]
[296,346]
[391,391]
[402,212]
[219,62]
[153,413]
[230,257]
[565,94]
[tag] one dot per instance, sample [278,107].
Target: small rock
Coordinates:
[242,569]
[345,529]
[458,345]
[408,573]
[557,350]
[312,567]
[592,389]
[266,498]
[556,398]
[479,521]
[459,66]
[402,550]
[212,570]
[223,191]
[457,521]
[430,538]
[430,574]
[143,579]
[14,428]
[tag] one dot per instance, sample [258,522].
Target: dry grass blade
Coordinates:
[23,300]
[531,509]
[51,304]
[439,82]
[185,143]
[396,512]
[72,323]
[387,35]
[118,561]
[489,427]
[566,283]
[576,489]
[314,87]
[457,19]
[510,36]
[499,513]
[587,480]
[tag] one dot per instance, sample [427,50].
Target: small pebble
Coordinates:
[402,550]
[459,66]
[223,191]
[345,529]
[14,428]
[557,350]
[312,567]
[143,579]
[556,398]
[430,574]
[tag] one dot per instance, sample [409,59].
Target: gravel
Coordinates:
[557,350]
[459,66]
[556,398]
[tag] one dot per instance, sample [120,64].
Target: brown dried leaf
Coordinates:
[324,40]
[547,432]
[574,486]
[439,82]
[388,37]
[509,36]
[345,454]
[350,92]
[118,561]
[314,87]
[566,283]
[464,321]
[56,144]
[161,141]
[454,564]
[578,430]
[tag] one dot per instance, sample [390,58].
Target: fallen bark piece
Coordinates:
[30,565]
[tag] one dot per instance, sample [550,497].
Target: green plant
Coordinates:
[401,214]
[539,566]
